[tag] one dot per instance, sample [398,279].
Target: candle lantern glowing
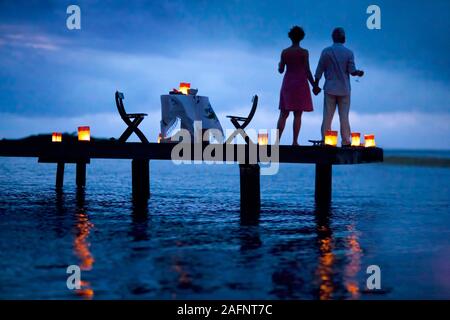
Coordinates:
[84,133]
[263,138]
[159,138]
[184,87]
[369,140]
[56,137]
[331,138]
[356,139]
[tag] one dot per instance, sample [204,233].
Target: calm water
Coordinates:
[189,242]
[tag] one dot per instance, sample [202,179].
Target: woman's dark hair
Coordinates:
[296,34]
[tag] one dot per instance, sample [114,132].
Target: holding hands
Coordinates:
[316,90]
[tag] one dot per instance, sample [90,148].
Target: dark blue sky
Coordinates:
[228,49]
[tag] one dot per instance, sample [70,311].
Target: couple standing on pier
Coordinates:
[337,63]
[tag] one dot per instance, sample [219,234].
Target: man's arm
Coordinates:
[320,69]
[351,68]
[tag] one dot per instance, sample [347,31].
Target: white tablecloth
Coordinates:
[187,109]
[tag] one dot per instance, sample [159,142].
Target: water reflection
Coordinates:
[353,266]
[290,278]
[187,279]
[60,214]
[59,201]
[321,255]
[184,278]
[249,238]
[250,244]
[328,267]
[81,243]
[139,224]
[326,255]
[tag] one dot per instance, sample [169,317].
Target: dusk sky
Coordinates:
[54,79]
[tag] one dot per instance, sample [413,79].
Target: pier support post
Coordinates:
[323,183]
[81,174]
[140,178]
[250,193]
[59,175]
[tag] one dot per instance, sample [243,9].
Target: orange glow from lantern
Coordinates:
[263,138]
[356,139]
[331,138]
[56,137]
[369,140]
[159,138]
[84,133]
[86,293]
[184,87]
[82,251]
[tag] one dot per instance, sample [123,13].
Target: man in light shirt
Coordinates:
[337,62]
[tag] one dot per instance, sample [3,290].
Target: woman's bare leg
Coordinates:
[297,125]
[282,122]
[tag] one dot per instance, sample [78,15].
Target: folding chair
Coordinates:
[241,122]
[127,117]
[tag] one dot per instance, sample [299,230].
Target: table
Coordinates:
[187,109]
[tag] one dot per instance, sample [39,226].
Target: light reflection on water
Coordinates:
[81,244]
[188,242]
[354,264]
[326,257]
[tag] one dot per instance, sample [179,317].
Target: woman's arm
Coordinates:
[308,70]
[281,64]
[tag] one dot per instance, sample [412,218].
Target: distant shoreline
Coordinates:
[418,161]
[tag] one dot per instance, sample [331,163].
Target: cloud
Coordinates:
[23,37]
[229,74]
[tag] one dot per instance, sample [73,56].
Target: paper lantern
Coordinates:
[356,139]
[331,138]
[263,138]
[369,140]
[56,137]
[184,87]
[84,133]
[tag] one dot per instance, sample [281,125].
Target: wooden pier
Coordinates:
[81,152]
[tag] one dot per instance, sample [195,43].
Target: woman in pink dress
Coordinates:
[295,93]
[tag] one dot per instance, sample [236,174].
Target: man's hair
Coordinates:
[296,34]
[338,35]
